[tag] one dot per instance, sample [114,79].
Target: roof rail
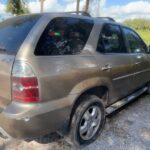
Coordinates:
[107,18]
[82,13]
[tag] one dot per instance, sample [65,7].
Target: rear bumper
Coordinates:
[27,121]
[35,126]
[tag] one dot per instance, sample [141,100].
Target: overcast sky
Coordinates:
[118,9]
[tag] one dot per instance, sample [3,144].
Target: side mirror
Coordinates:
[148,50]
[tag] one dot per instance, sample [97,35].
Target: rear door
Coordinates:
[114,61]
[12,34]
[140,60]
[62,66]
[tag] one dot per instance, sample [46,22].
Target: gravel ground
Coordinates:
[127,130]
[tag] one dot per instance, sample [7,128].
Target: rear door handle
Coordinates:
[106,67]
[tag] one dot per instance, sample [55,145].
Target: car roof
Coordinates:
[75,15]
[97,20]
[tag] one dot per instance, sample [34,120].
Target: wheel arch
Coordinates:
[101,91]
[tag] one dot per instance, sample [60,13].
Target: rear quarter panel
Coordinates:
[60,76]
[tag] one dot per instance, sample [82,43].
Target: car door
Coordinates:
[140,60]
[114,61]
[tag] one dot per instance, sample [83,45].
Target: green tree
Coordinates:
[142,26]
[17,7]
[138,24]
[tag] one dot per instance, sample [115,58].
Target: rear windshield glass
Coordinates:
[14,31]
[64,36]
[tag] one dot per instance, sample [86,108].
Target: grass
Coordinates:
[145,34]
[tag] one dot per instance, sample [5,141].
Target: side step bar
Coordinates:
[123,102]
[4,134]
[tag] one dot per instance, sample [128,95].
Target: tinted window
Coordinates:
[14,31]
[111,40]
[64,36]
[135,43]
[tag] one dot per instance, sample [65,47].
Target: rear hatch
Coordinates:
[13,32]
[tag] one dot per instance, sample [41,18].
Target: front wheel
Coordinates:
[148,90]
[88,120]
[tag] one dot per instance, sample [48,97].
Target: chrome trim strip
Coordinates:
[121,77]
[141,71]
[125,76]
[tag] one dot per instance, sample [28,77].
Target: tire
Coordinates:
[88,121]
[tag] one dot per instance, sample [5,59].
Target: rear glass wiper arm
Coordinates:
[2,50]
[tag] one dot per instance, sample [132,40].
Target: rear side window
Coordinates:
[111,40]
[64,36]
[14,31]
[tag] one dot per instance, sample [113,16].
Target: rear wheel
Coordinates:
[88,120]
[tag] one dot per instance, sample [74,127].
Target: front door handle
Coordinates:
[139,56]
[137,63]
[106,67]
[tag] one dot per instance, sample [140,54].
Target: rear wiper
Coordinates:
[2,50]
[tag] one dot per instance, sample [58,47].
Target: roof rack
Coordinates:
[107,18]
[82,13]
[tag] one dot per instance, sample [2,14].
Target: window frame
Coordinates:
[67,17]
[127,43]
[124,40]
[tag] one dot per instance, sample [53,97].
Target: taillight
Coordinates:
[24,83]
